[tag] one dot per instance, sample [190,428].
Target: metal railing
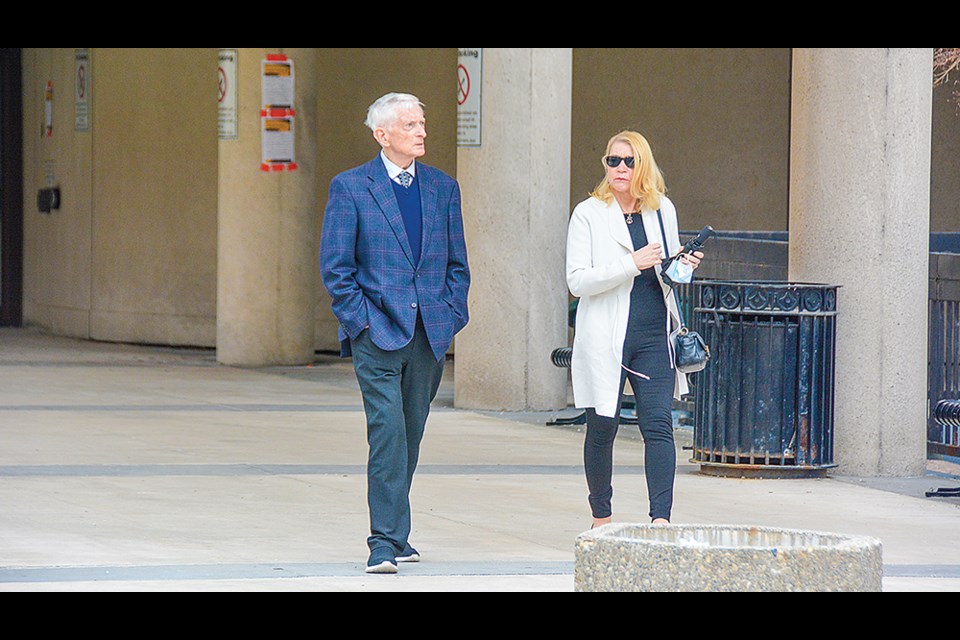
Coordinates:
[943,339]
[763,256]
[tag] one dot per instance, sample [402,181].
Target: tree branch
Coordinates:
[944,61]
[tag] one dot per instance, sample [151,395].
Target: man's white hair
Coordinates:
[385,109]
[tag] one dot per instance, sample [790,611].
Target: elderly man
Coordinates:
[393,258]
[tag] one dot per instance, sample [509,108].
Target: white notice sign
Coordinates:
[276,143]
[469,83]
[227,116]
[277,83]
[81,96]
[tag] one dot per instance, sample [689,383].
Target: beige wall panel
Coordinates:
[349,81]
[515,202]
[718,121]
[155,196]
[945,163]
[57,250]
[267,273]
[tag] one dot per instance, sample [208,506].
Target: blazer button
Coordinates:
[413,304]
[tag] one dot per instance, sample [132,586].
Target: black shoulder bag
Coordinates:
[690,352]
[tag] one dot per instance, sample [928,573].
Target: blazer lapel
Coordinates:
[382,192]
[428,207]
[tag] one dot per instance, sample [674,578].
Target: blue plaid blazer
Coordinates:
[367,267]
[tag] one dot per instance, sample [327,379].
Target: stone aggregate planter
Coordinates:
[647,557]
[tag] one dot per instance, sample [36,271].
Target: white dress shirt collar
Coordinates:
[393,170]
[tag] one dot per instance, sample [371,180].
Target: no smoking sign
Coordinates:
[463,84]
[469,83]
[227,113]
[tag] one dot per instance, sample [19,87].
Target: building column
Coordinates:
[859,218]
[516,188]
[267,228]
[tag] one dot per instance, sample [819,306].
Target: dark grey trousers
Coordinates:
[397,387]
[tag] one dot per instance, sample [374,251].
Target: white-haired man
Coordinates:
[393,258]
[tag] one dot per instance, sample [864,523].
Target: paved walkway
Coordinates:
[142,468]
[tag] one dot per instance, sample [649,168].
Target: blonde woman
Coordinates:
[626,318]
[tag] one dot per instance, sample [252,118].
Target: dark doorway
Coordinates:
[11,189]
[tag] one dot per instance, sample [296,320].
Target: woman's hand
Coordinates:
[648,256]
[693,259]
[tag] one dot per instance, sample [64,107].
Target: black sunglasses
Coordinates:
[614,161]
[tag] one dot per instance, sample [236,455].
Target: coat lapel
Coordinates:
[618,227]
[382,192]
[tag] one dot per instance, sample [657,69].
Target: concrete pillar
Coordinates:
[859,217]
[267,229]
[516,205]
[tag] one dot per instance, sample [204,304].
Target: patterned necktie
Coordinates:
[405,179]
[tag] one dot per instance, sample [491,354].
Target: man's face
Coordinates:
[402,139]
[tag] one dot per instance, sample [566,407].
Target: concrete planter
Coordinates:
[639,557]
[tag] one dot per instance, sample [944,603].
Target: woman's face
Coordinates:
[620,176]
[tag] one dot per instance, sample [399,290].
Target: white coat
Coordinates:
[600,271]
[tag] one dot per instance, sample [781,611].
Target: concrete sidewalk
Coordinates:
[128,468]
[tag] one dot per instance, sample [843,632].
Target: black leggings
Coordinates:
[646,354]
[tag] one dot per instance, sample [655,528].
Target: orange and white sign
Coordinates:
[276,88]
[277,114]
[276,143]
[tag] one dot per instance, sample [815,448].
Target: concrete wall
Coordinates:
[131,254]
[944,185]
[718,121]
[859,218]
[516,234]
[57,247]
[268,238]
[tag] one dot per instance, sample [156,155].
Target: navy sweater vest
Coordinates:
[409,200]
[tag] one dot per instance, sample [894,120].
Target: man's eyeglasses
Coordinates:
[614,161]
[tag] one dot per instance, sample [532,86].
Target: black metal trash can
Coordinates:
[764,404]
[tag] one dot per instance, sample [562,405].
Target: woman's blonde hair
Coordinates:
[647,185]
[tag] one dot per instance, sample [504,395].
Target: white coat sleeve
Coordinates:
[588,275]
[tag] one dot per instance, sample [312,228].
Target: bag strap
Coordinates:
[666,251]
[683,326]
[663,234]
